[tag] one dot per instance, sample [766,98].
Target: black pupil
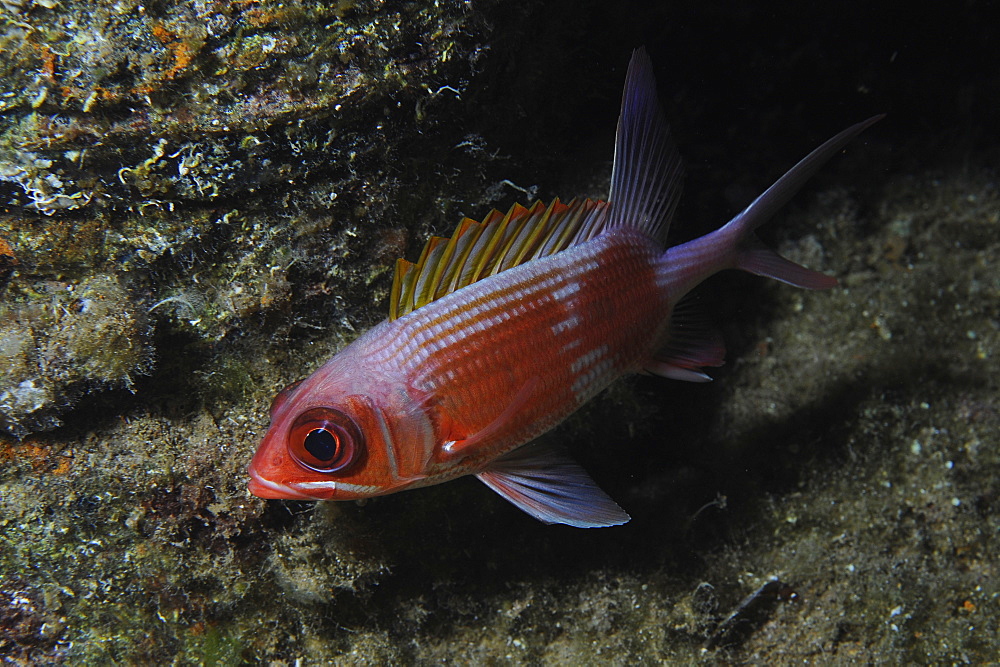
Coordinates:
[321,444]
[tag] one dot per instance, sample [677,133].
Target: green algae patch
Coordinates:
[66,339]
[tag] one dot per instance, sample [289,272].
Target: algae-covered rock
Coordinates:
[326,557]
[202,156]
[63,340]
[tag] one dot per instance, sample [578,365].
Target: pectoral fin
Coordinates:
[551,487]
[461,446]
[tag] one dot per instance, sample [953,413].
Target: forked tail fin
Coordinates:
[753,256]
[736,246]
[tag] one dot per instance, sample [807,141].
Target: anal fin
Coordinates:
[548,485]
[691,343]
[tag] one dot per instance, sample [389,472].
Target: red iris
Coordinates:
[325,440]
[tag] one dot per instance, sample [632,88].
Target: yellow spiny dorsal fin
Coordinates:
[477,250]
[486,252]
[400,284]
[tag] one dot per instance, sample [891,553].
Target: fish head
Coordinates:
[337,435]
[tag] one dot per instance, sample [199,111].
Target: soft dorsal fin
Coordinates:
[480,249]
[646,177]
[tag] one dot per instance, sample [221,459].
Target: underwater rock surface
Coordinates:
[222,188]
[63,340]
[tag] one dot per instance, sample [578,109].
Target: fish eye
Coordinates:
[325,440]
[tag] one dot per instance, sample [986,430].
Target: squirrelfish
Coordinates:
[500,332]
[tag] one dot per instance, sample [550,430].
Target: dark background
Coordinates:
[750,88]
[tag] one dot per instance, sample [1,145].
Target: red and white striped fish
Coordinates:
[502,331]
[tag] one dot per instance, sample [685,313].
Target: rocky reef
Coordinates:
[203,201]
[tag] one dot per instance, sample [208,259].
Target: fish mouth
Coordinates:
[265,488]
